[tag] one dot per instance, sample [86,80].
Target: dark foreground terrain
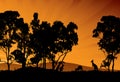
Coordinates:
[41,75]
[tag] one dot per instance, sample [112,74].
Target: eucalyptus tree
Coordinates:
[65,38]
[34,44]
[7,28]
[22,37]
[48,40]
[40,41]
[108,33]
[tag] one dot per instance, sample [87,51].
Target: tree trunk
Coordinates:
[113,66]
[60,63]
[44,62]
[23,63]
[8,66]
[8,63]
[108,68]
[24,55]
[53,64]
[37,65]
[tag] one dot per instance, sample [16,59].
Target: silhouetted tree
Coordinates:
[35,30]
[41,41]
[41,38]
[65,39]
[47,41]
[108,33]
[7,28]
[22,36]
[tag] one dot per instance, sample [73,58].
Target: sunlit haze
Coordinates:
[84,13]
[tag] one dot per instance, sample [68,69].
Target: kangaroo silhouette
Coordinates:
[94,65]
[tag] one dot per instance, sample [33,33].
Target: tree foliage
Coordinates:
[49,40]
[108,32]
[22,38]
[45,40]
[7,29]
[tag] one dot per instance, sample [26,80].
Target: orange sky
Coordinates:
[85,13]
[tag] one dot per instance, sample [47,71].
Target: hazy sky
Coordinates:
[85,13]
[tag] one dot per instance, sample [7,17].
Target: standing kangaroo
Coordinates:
[94,65]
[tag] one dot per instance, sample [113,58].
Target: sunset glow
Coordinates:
[84,13]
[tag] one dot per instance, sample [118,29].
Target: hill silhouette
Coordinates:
[68,67]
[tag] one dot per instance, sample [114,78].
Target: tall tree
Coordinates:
[35,24]
[8,27]
[47,40]
[40,41]
[22,37]
[108,33]
[65,39]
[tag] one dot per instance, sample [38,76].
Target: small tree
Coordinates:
[108,32]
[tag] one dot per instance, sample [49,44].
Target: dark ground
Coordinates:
[40,75]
